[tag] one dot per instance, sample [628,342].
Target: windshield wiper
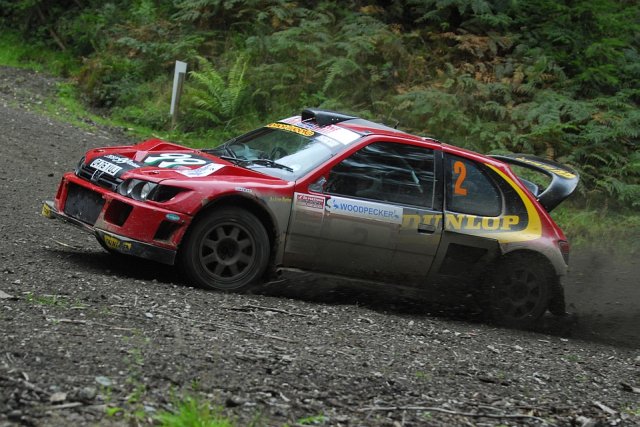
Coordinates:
[270,164]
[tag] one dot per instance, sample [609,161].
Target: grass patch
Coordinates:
[193,412]
[14,52]
[616,231]
[49,300]
[69,106]
[319,419]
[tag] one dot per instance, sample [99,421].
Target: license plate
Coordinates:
[116,244]
[106,167]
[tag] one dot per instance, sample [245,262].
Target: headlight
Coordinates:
[147,188]
[137,189]
[144,190]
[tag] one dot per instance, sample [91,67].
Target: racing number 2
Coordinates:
[461,170]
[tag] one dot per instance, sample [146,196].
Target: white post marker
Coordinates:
[178,80]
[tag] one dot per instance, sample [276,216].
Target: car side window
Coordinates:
[386,172]
[470,190]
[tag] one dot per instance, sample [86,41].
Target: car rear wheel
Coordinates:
[518,292]
[226,250]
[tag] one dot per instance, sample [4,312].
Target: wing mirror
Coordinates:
[318,186]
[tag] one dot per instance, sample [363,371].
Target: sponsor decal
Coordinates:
[291,128]
[309,202]
[116,244]
[343,136]
[112,164]
[280,199]
[122,160]
[244,190]
[327,141]
[365,210]
[337,133]
[505,229]
[205,170]
[172,217]
[464,222]
[174,160]
[560,172]
[102,165]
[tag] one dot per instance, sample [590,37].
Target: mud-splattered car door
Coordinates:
[364,232]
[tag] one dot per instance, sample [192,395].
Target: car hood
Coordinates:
[158,160]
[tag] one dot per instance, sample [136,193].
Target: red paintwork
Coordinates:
[147,216]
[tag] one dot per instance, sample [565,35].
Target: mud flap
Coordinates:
[557,305]
[459,263]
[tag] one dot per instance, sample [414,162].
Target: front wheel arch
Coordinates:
[226,234]
[252,206]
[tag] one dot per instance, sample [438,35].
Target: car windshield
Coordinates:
[283,151]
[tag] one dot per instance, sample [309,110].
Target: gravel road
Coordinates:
[83,333]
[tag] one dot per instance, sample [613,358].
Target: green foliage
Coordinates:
[614,231]
[193,412]
[50,300]
[14,52]
[212,99]
[558,79]
[319,419]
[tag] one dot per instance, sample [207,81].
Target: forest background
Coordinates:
[557,78]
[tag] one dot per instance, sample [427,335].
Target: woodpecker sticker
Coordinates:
[365,210]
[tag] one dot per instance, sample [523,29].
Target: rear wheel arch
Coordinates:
[530,266]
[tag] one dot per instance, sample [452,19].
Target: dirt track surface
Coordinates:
[83,333]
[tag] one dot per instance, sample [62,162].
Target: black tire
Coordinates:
[518,291]
[226,250]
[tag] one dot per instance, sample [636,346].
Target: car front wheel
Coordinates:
[227,250]
[518,292]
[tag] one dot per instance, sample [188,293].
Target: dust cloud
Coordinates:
[603,292]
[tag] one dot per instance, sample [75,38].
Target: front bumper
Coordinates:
[112,241]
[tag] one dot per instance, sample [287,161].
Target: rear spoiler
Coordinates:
[564,180]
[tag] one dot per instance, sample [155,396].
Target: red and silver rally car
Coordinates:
[335,194]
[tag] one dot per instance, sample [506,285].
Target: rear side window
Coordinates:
[470,190]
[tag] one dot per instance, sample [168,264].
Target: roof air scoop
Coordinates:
[323,117]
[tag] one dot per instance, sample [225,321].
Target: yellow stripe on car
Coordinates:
[534,227]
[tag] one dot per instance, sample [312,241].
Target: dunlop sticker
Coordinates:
[464,222]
